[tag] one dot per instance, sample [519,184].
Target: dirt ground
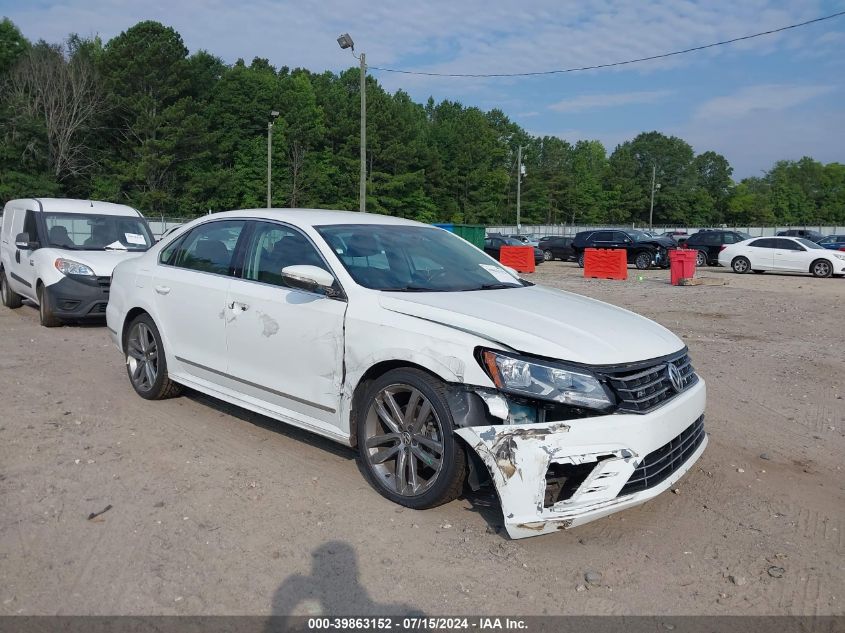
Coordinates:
[218,511]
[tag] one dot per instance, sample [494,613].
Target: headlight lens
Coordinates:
[839,255]
[545,381]
[70,267]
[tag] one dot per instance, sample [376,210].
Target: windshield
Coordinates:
[96,232]
[808,243]
[413,259]
[638,236]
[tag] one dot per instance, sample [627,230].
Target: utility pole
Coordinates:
[362,193]
[518,187]
[270,124]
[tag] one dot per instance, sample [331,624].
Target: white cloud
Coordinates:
[609,100]
[758,99]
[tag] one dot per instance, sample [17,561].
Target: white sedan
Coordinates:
[407,342]
[783,254]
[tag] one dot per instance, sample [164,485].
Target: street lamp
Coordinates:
[654,186]
[345,41]
[270,123]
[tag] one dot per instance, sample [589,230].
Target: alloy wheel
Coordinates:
[403,440]
[142,357]
[547,255]
[700,259]
[822,269]
[740,265]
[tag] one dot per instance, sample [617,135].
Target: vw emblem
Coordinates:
[675,377]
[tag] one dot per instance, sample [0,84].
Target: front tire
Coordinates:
[45,308]
[581,260]
[407,448]
[821,268]
[146,364]
[643,260]
[11,299]
[740,265]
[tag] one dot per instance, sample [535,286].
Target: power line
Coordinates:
[612,64]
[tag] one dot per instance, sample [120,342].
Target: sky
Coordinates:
[758,101]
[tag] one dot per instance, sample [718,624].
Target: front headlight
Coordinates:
[839,255]
[70,267]
[545,380]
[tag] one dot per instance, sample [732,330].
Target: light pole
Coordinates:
[345,42]
[519,172]
[653,187]
[270,123]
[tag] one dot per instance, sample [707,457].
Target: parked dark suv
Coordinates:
[557,248]
[813,236]
[494,243]
[709,243]
[643,251]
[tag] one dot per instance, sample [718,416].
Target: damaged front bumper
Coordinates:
[555,475]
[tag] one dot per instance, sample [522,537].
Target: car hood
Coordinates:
[544,322]
[101,262]
[665,242]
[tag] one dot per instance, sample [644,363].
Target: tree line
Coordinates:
[139,120]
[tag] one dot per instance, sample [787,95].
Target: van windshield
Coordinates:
[95,232]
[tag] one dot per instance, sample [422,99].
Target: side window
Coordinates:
[788,245]
[30,227]
[620,237]
[601,236]
[169,252]
[274,247]
[209,247]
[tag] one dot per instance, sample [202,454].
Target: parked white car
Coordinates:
[60,253]
[783,254]
[409,343]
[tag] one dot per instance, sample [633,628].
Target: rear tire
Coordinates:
[146,363]
[11,299]
[643,260]
[45,308]
[701,259]
[581,260]
[740,265]
[821,268]
[548,256]
[412,458]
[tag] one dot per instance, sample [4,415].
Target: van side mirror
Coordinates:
[22,242]
[309,278]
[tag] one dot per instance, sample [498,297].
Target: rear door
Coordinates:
[760,253]
[190,287]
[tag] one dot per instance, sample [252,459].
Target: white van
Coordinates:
[60,253]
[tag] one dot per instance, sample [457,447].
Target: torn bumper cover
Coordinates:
[556,475]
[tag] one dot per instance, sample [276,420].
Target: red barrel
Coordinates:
[681,264]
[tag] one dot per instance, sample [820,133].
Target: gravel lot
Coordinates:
[219,511]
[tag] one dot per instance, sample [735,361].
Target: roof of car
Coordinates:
[317,217]
[69,205]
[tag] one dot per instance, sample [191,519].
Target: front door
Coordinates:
[790,255]
[285,345]
[21,275]
[190,286]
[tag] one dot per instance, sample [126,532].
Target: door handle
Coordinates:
[18,257]
[162,290]
[236,305]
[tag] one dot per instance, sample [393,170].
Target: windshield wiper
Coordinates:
[495,286]
[412,289]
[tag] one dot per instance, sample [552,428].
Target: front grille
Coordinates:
[658,465]
[642,390]
[104,282]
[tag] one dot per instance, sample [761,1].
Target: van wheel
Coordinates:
[643,260]
[11,299]
[45,309]
[146,364]
[407,448]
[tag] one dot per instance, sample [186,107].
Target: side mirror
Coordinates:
[22,242]
[310,278]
